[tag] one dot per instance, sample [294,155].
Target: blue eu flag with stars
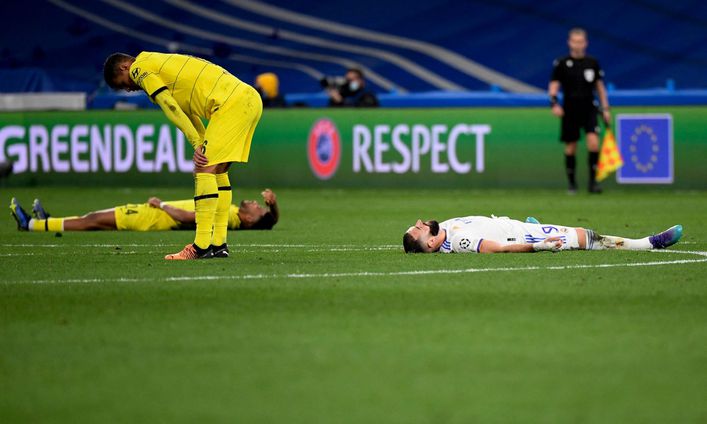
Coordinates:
[646,145]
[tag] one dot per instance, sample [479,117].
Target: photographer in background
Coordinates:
[349,91]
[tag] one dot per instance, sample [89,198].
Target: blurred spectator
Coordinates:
[5,169]
[349,91]
[268,86]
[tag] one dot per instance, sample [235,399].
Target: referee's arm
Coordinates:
[603,101]
[552,91]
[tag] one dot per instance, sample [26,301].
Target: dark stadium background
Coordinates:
[642,43]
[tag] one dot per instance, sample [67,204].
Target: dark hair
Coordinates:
[578,31]
[111,68]
[411,245]
[265,223]
[357,71]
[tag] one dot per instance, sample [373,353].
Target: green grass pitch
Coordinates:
[325,320]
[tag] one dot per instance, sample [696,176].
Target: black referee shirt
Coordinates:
[578,78]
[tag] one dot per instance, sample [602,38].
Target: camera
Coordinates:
[336,83]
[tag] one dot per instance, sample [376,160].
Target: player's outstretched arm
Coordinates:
[175,114]
[489,246]
[552,244]
[177,214]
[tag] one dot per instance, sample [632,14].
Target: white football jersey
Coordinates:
[465,234]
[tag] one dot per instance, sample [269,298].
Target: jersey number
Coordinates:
[547,229]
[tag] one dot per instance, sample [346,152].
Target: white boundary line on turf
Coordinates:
[113,252]
[237,245]
[242,248]
[379,274]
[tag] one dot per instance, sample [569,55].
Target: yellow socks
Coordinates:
[225,195]
[205,200]
[49,224]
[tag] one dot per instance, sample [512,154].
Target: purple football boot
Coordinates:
[667,238]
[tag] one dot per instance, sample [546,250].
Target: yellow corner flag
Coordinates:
[609,158]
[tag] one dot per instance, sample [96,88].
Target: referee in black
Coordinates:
[579,76]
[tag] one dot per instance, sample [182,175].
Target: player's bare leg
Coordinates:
[93,221]
[99,220]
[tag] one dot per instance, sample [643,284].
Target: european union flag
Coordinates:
[646,144]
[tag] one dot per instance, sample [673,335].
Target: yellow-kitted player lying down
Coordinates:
[155,215]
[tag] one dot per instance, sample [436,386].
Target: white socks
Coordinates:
[599,242]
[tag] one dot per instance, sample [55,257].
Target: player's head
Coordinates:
[422,237]
[253,216]
[116,72]
[577,41]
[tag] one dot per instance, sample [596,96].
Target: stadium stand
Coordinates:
[504,45]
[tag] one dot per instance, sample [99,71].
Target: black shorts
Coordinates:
[578,118]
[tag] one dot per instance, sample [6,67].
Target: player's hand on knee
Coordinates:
[200,159]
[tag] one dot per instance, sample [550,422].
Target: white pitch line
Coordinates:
[379,248]
[114,252]
[313,247]
[238,248]
[373,273]
[689,252]
[236,245]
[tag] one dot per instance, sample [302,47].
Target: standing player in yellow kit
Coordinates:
[188,89]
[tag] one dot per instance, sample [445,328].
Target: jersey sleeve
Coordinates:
[556,70]
[147,80]
[171,109]
[466,243]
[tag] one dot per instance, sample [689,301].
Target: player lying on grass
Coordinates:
[155,215]
[481,234]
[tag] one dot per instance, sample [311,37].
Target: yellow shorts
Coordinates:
[230,129]
[143,217]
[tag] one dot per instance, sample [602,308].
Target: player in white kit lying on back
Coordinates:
[482,234]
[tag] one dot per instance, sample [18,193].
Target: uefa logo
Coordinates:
[324,149]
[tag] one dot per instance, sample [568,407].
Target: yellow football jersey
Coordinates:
[143,217]
[199,86]
[234,222]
